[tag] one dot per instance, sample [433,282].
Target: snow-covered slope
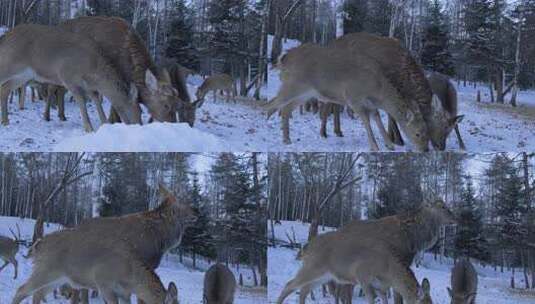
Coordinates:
[188,280]
[493,286]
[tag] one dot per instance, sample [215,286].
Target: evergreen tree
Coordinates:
[180,41]
[435,54]
[469,241]
[197,238]
[355,14]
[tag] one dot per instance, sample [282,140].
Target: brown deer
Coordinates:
[215,83]
[103,243]
[463,283]
[340,74]
[186,109]
[8,251]
[45,54]
[125,48]
[219,285]
[381,256]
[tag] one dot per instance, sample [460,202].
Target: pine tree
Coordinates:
[435,54]
[180,41]
[469,241]
[197,238]
[355,14]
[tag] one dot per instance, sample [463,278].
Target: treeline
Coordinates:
[228,195]
[491,195]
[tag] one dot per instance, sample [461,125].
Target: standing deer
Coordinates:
[463,283]
[125,48]
[340,74]
[142,238]
[8,251]
[374,253]
[219,285]
[220,82]
[51,55]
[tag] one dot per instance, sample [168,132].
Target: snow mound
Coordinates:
[155,137]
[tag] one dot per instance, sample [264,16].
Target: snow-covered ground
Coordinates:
[244,127]
[492,289]
[188,280]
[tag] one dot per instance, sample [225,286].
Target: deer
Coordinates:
[126,49]
[219,285]
[374,253]
[339,74]
[44,53]
[131,235]
[186,109]
[411,81]
[8,251]
[463,283]
[342,292]
[219,82]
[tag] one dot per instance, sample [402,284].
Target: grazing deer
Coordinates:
[8,251]
[374,253]
[186,109]
[51,55]
[95,241]
[463,283]
[445,111]
[219,285]
[338,73]
[220,82]
[125,48]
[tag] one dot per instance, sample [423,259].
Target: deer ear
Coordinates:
[172,290]
[151,81]
[426,286]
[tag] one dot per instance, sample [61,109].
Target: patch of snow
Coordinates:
[155,137]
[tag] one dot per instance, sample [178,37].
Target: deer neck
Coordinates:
[422,230]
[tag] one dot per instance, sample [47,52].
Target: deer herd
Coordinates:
[116,257]
[377,254]
[96,57]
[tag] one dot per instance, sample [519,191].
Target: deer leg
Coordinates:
[404,282]
[324,116]
[388,142]
[365,116]
[80,98]
[49,100]
[369,293]
[459,138]
[61,105]
[304,292]
[108,295]
[100,110]
[16,266]
[114,117]
[337,121]
[40,279]
[305,276]
[22,97]
[286,114]
[5,90]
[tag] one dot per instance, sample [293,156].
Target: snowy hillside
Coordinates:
[188,280]
[493,286]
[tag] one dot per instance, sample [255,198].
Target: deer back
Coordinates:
[219,285]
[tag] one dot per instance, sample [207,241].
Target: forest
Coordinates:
[491,196]
[227,191]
